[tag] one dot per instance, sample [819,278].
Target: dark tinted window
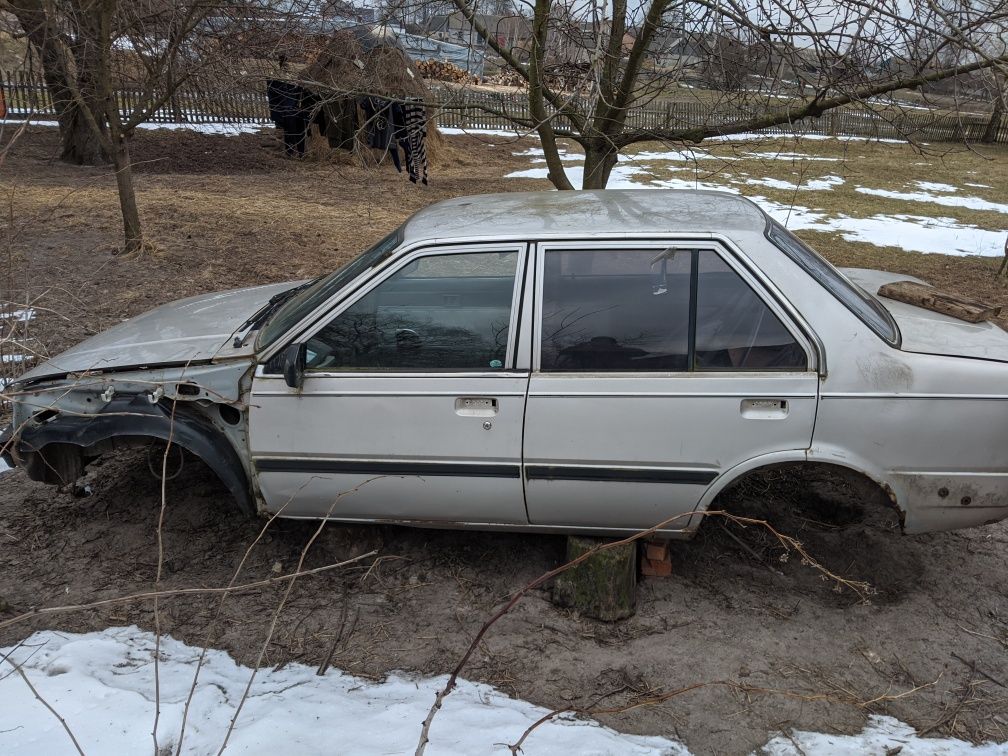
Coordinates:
[735,329]
[443,312]
[615,310]
[629,310]
[867,308]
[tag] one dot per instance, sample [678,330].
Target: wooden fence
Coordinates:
[478,109]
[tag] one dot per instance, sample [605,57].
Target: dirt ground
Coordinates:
[773,645]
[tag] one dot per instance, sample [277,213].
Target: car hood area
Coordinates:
[930,332]
[186,331]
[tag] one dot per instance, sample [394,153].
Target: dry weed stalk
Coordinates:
[172,592]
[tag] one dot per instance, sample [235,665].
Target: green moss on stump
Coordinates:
[604,586]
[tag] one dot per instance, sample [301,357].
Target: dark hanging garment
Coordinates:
[292,109]
[379,116]
[283,98]
[377,113]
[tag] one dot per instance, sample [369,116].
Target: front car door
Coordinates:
[411,408]
[657,367]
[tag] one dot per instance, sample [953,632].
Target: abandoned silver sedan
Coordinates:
[593,362]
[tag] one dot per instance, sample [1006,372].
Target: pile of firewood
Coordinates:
[442,71]
[505,78]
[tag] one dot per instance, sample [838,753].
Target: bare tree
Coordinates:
[770,63]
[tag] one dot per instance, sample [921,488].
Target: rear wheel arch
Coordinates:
[868,481]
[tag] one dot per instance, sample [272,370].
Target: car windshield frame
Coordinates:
[865,307]
[305,302]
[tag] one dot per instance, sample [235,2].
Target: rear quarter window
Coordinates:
[869,310]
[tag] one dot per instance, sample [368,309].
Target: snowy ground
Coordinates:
[102,685]
[913,230]
[203,128]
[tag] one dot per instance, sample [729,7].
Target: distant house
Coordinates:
[511,32]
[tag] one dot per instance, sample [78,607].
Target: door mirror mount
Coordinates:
[295,357]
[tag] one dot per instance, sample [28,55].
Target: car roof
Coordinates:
[584,213]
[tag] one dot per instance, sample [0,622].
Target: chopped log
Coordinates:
[604,586]
[930,298]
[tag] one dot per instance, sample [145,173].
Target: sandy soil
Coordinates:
[773,645]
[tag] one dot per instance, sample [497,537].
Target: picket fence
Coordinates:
[27,96]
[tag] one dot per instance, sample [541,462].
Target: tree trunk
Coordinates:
[133,235]
[78,142]
[80,145]
[990,134]
[604,586]
[599,162]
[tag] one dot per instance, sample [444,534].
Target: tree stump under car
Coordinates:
[604,586]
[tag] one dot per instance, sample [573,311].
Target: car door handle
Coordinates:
[476,406]
[764,409]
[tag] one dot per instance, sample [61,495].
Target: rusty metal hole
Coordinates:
[942,492]
[966,501]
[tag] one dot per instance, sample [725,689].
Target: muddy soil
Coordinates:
[771,644]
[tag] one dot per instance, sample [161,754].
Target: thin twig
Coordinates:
[45,703]
[147,595]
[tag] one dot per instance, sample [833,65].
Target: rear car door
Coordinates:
[657,367]
[411,408]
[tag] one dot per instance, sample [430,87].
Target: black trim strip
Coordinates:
[448,469]
[694,284]
[617,474]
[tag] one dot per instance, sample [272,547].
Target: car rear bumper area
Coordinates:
[949,501]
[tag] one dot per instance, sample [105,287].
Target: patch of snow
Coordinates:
[931,186]
[913,233]
[823,183]
[973,203]
[622,177]
[883,140]
[677,183]
[452,131]
[102,684]
[880,735]
[228,129]
[977,186]
[5,358]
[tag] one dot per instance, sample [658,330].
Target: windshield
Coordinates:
[307,300]
[867,308]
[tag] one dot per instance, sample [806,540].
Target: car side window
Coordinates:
[735,329]
[615,310]
[439,312]
[655,310]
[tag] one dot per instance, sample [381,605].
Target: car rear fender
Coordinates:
[817,454]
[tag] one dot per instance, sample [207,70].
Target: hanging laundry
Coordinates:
[415,117]
[293,109]
[391,126]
